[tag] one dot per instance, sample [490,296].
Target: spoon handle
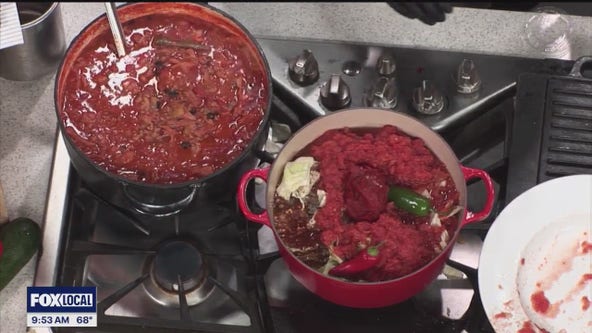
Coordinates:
[116,29]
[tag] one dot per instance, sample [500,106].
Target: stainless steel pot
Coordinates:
[44,43]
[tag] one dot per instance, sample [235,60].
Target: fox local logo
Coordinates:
[61,299]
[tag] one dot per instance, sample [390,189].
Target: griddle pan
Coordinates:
[551,129]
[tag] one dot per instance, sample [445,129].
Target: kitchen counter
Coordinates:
[28,123]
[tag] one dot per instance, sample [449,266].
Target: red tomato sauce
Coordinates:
[185,101]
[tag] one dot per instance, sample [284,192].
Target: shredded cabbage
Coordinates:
[322,195]
[435,220]
[298,178]
[444,237]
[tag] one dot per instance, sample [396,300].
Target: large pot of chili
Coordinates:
[365,205]
[177,119]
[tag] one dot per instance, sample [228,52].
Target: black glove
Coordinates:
[427,12]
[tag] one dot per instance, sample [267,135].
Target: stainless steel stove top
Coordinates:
[443,89]
[225,275]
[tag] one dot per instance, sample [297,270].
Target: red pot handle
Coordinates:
[241,196]
[470,173]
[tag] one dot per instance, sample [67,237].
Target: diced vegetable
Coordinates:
[322,195]
[435,220]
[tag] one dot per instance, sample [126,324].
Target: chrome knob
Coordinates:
[427,99]
[304,69]
[383,94]
[467,77]
[385,65]
[335,93]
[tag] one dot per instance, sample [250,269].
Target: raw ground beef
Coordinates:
[407,242]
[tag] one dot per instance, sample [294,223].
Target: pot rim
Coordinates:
[445,252]
[192,182]
[46,13]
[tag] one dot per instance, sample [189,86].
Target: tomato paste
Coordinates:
[365,194]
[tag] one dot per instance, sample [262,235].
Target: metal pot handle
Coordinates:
[576,70]
[241,196]
[470,173]
[264,156]
[159,210]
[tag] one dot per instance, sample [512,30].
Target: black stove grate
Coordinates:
[84,218]
[94,227]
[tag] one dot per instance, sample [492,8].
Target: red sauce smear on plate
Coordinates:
[539,302]
[165,113]
[527,328]
[585,278]
[586,247]
[585,303]
[502,315]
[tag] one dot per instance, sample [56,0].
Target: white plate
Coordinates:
[544,225]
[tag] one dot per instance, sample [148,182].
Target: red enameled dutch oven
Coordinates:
[357,294]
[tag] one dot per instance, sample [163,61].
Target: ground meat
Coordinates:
[356,168]
[365,194]
[292,223]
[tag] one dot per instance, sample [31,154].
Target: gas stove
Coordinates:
[210,270]
[442,89]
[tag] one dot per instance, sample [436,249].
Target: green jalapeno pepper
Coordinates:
[410,201]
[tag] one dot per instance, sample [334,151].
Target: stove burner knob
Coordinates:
[385,65]
[467,77]
[335,93]
[383,94]
[304,69]
[427,99]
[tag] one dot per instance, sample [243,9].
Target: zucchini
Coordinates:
[20,238]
